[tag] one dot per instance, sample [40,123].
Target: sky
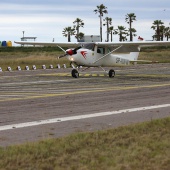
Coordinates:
[47,19]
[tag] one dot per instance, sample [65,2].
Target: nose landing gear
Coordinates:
[75,73]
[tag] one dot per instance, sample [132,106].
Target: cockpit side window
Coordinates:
[89,46]
[101,50]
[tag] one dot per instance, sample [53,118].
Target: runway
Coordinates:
[36,105]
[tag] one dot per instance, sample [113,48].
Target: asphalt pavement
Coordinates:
[41,104]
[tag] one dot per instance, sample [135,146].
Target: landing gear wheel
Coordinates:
[75,73]
[111,73]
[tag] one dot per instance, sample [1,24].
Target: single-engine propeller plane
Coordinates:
[101,54]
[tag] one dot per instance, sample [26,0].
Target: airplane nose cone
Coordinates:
[69,52]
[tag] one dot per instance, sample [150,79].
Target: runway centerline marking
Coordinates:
[36,96]
[79,117]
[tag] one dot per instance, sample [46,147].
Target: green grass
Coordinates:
[29,56]
[156,56]
[144,146]
[31,59]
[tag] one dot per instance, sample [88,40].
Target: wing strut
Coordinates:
[61,48]
[107,54]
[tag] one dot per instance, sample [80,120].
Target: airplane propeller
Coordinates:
[62,56]
[69,51]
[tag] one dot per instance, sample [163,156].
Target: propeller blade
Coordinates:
[61,48]
[62,56]
[69,51]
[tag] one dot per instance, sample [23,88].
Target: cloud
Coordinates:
[47,19]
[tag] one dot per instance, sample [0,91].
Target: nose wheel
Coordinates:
[111,73]
[75,73]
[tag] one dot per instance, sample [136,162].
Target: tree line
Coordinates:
[158,26]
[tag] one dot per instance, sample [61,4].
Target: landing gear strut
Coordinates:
[75,73]
[111,72]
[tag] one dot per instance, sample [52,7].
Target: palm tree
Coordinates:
[108,21]
[167,33]
[133,31]
[80,36]
[78,23]
[156,26]
[122,32]
[111,29]
[129,19]
[68,32]
[162,30]
[101,10]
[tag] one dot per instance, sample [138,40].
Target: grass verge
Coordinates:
[29,56]
[142,146]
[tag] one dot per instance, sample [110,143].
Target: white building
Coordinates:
[91,38]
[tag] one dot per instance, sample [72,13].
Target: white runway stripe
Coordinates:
[57,120]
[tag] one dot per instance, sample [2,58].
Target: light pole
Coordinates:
[23,33]
[23,36]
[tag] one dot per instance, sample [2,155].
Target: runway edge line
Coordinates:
[79,117]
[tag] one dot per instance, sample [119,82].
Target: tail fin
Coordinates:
[131,56]
[134,56]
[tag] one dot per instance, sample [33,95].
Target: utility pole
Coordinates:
[23,33]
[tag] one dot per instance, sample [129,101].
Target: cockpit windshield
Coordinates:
[89,46]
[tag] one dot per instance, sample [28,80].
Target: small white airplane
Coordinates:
[100,54]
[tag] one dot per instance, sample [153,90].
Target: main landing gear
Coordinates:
[75,73]
[111,73]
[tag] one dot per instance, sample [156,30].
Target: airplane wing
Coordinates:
[136,43]
[131,46]
[126,46]
[67,44]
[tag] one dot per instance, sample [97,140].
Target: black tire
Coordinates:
[111,73]
[75,73]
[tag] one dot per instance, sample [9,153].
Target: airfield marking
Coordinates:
[81,92]
[148,75]
[102,74]
[69,75]
[79,117]
[33,82]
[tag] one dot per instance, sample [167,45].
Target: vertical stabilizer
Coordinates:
[134,56]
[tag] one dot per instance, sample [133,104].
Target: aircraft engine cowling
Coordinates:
[70,52]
